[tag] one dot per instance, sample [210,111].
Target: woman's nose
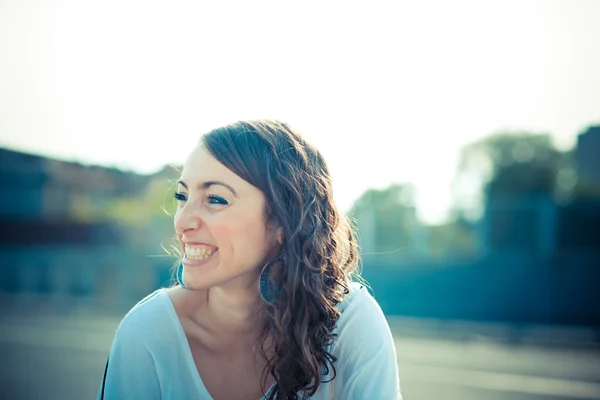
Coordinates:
[187,219]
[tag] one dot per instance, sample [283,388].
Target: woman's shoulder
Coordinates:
[367,365]
[363,331]
[360,307]
[357,293]
[146,315]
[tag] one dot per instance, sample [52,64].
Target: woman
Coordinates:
[265,306]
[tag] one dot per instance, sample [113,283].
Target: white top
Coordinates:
[151,359]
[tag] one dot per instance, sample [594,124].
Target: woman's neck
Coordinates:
[225,310]
[235,310]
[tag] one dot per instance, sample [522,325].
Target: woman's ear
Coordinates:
[279,235]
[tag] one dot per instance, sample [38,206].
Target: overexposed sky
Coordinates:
[388,91]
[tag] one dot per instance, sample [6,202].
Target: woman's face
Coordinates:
[220,224]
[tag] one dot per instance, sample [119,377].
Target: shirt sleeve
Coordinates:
[131,373]
[367,367]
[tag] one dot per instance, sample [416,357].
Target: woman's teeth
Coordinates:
[192,253]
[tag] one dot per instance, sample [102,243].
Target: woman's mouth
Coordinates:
[194,254]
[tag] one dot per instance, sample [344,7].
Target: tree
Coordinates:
[152,202]
[504,164]
[386,218]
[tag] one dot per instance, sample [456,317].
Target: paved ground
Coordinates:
[50,354]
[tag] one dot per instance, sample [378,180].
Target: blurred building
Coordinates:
[522,228]
[536,259]
[54,236]
[587,154]
[538,227]
[35,187]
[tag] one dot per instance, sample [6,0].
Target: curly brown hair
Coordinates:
[319,250]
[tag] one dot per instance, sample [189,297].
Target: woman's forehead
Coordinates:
[200,162]
[201,167]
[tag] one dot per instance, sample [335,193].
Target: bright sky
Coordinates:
[388,91]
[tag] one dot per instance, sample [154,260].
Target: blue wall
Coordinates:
[490,290]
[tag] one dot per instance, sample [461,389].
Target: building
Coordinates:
[587,155]
[56,239]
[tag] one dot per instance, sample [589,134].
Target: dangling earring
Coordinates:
[180,275]
[266,286]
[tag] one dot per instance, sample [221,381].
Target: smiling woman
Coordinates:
[266,303]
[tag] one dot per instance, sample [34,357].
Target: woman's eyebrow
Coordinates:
[207,184]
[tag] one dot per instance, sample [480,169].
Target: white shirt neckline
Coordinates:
[189,358]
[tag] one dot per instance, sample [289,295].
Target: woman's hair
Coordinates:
[319,249]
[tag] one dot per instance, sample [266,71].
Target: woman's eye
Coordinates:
[180,196]
[216,200]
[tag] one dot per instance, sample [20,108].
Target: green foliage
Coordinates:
[514,163]
[511,164]
[386,218]
[153,203]
[457,237]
